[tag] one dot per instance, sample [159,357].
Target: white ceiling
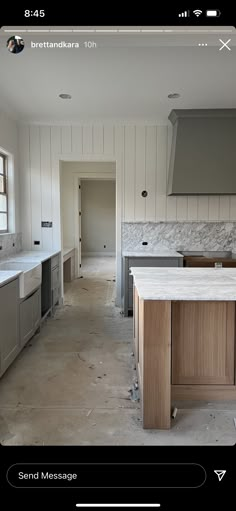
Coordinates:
[115,83]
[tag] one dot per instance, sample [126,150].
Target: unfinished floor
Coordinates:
[70,385]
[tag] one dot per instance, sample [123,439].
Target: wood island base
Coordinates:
[184,350]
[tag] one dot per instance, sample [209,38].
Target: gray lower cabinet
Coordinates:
[129,262]
[30,316]
[9,324]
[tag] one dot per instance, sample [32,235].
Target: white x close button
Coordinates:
[225,45]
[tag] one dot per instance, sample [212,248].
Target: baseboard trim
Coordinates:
[98,254]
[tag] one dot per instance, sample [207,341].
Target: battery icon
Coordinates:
[213,14]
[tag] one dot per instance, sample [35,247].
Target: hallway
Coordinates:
[70,385]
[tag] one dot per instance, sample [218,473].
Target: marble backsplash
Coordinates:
[10,244]
[179,236]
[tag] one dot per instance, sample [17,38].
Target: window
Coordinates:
[3,193]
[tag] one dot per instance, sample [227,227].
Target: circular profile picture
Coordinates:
[15,44]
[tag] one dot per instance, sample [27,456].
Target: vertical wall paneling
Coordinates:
[98,139]
[66,139]
[214,207]
[171,209]
[87,139]
[108,139]
[182,208]
[129,173]
[203,208]
[192,209]
[25,188]
[140,173]
[232,213]
[35,181]
[119,155]
[171,202]
[77,139]
[161,172]
[56,149]
[224,212]
[151,162]
[46,185]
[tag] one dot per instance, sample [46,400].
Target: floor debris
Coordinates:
[174,413]
[134,393]
[89,412]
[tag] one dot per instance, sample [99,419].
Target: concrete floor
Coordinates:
[70,385]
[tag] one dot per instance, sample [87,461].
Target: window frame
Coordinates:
[5,192]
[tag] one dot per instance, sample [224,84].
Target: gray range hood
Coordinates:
[203,152]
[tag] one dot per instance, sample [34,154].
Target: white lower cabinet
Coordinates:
[9,324]
[30,316]
[20,319]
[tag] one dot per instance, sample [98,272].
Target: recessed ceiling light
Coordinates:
[65,96]
[174,95]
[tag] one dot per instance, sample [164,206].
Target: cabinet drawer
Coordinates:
[55,261]
[30,313]
[153,261]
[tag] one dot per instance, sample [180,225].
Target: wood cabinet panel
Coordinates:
[135,323]
[203,342]
[155,362]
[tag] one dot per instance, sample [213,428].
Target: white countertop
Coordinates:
[31,256]
[67,250]
[147,253]
[27,256]
[185,283]
[7,276]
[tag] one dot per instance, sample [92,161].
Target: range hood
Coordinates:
[203,152]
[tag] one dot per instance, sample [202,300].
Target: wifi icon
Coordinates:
[197,12]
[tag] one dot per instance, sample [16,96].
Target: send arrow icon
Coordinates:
[220,474]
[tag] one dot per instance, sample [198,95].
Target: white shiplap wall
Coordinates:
[142,153]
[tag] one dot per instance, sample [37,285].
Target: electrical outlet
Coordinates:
[144,243]
[36,242]
[104,246]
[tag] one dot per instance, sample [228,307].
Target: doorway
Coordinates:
[88,211]
[98,217]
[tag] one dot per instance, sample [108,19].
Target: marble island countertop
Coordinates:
[165,252]
[217,284]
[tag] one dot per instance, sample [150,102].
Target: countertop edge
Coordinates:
[8,278]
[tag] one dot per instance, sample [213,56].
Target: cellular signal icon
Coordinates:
[184,14]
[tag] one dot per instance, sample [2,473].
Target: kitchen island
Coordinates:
[184,337]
